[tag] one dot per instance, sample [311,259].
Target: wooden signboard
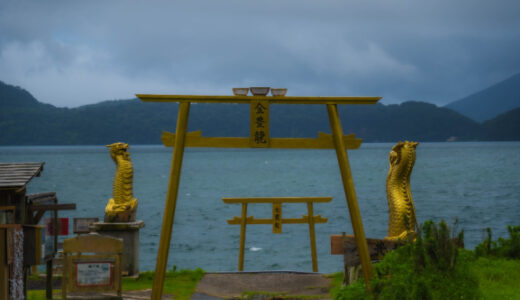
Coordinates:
[87,276]
[62,226]
[346,245]
[94,273]
[81,225]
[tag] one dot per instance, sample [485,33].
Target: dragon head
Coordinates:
[118,149]
[401,148]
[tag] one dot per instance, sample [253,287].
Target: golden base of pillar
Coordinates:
[120,217]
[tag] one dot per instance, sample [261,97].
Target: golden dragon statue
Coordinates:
[122,207]
[402,221]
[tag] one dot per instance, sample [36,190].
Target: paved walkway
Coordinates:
[232,285]
[147,294]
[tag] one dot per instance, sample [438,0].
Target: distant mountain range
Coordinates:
[26,121]
[491,102]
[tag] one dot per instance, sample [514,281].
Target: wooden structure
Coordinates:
[18,226]
[346,245]
[277,220]
[259,138]
[92,267]
[14,178]
[39,204]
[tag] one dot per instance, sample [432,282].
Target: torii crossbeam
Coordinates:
[259,138]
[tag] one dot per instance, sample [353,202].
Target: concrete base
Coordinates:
[129,233]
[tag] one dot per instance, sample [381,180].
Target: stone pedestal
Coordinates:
[129,233]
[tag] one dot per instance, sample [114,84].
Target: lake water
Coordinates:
[478,183]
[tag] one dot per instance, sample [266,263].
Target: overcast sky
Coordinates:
[71,53]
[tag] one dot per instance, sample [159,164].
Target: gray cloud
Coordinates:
[70,53]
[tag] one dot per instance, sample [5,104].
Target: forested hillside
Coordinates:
[505,127]
[25,121]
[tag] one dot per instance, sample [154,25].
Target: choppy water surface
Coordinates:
[478,183]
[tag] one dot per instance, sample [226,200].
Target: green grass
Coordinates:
[498,278]
[352,291]
[181,284]
[433,267]
[38,294]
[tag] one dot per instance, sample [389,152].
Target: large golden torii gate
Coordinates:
[259,138]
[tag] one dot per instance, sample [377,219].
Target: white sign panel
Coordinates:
[93,273]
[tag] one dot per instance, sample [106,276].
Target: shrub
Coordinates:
[505,248]
[431,267]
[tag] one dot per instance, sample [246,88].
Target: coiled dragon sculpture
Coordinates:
[122,207]
[402,220]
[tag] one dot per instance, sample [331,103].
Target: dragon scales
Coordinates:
[122,207]
[402,220]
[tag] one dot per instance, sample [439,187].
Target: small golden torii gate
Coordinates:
[277,220]
[259,138]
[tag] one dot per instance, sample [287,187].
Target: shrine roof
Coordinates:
[18,175]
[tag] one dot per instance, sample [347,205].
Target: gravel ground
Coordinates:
[232,285]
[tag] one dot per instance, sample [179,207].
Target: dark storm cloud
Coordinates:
[75,52]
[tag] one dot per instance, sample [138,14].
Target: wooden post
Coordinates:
[48,280]
[350,192]
[243,224]
[4,286]
[64,279]
[171,200]
[312,236]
